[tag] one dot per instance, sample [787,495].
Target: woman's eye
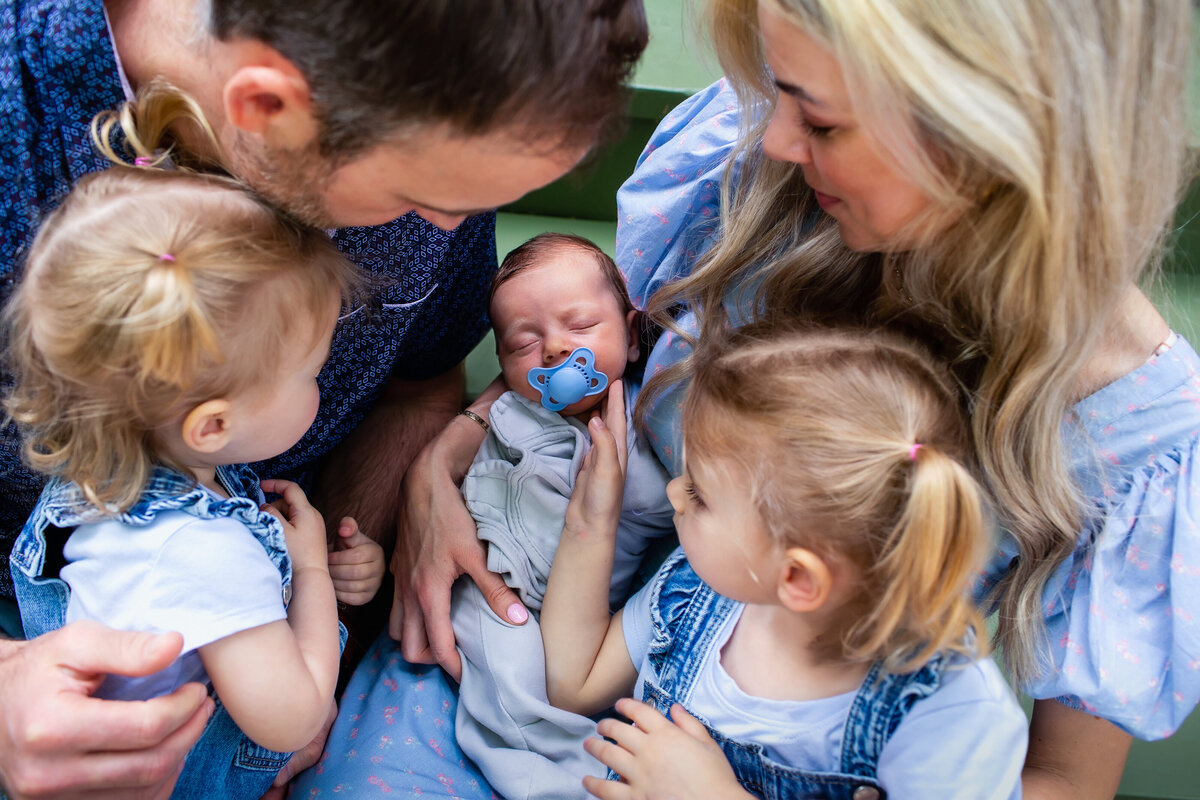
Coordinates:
[810,129]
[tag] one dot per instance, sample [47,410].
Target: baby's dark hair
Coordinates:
[545,245]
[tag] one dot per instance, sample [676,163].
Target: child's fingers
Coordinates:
[353,572]
[614,419]
[689,724]
[291,492]
[349,533]
[646,717]
[362,554]
[613,756]
[606,790]
[627,736]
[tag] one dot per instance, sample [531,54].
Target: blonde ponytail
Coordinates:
[932,552]
[821,422]
[148,126]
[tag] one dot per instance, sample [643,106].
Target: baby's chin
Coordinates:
[584,406]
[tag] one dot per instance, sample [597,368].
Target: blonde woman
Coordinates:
[996,177]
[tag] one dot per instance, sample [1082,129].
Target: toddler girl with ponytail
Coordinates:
[168,329]
[814,637]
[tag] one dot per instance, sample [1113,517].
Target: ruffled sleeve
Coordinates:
[667,210]
[1123,638]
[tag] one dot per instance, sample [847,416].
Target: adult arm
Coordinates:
[58,741]
[1072,754]
[438,543]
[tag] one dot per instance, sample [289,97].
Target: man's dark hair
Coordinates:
[547,68]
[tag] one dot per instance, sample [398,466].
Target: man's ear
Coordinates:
[270,99]
[633,321]
[206,427]
[805,580]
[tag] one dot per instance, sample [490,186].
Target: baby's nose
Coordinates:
[555,352]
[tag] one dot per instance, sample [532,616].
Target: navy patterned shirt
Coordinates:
[57,70]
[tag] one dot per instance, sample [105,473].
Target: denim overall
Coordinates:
[224,763]
[688,615]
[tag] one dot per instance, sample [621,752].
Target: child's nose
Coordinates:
[675,493]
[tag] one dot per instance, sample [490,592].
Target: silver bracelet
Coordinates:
[483,423]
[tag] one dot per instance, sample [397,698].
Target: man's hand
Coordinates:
[58,741]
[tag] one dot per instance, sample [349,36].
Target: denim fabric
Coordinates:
[224,763]
[688,615]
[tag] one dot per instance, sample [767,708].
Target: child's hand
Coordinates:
[303,527]
[356,564]
[595,504]
[658,757]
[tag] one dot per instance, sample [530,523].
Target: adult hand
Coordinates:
[436,544]
[302,759]
[58,741]
[658,757]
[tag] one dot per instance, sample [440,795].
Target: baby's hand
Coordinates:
[658,757]
[356,564]
[303,527]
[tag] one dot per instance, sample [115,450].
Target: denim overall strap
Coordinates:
[687,618]
[880,706]
[224,763]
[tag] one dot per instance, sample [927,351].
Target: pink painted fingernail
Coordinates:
[517,613]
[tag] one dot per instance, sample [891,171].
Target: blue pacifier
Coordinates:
[569,382]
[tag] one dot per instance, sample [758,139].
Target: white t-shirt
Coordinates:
[967,740]
[206,578]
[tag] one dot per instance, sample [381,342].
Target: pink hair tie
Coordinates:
[912,451]
[167,257]
[143,161]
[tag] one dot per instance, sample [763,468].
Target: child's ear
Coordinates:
[206,427]
[633,321]
[805,580]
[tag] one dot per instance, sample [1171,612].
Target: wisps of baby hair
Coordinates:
[548,245]
[145,293]
[855,446]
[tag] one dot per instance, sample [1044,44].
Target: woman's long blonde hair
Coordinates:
[853,443]
[145,293]
[1053,132]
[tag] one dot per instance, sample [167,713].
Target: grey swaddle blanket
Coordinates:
[517,490]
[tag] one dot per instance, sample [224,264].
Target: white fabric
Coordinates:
[205,578]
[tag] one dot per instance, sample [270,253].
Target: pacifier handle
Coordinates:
[570,381]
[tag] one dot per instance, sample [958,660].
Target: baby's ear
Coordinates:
[805,580]
[633,323]
[205,429]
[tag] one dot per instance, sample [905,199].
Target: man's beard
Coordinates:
[294,180]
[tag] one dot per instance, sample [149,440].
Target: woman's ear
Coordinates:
[205,429]
[633,323]
[269,99]
[805,580]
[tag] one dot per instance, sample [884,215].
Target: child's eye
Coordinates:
[694,496]
[520,347]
